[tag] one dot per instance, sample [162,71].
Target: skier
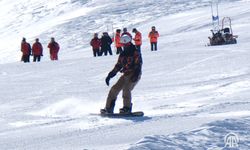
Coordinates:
[53,49]
[96,43]
[37,50]
[118,44]
[153,36]
[26,50]
[137,39]
[129,63]
[106,42]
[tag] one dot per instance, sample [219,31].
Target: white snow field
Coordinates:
[192,95]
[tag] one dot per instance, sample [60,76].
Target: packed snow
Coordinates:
[192,95]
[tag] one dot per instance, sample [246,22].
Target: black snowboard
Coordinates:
[120,115]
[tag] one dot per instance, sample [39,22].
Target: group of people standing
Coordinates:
[103,45]
[37,50]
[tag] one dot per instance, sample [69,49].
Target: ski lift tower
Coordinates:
[215,15]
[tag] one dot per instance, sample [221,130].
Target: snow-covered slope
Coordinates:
[51,105]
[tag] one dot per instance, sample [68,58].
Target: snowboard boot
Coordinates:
[106,111]
[126,110]
[109,110]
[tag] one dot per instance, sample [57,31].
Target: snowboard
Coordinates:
[120,115]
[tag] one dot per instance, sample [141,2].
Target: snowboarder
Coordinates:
[96,44]
[153,36]
[106,42]
[118,44]
[137,39]
[26,50]
[53,49]
[37,50]
[129,63]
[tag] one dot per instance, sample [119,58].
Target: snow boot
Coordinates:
[109,110]
[126,110]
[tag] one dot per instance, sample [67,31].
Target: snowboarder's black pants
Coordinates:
[153,46]
[36,58]
[118,50]
[26,58]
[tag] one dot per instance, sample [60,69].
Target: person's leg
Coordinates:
[138,47]
[110,51]
[94,54]
[117,51]
[55,56]
[120,50]
[34,58]
[152,46]
[105,52]
[155,46]
[38,58]
[113,93]
[101,52]
[51,57]
[127,88]
[28,58]
[25,58]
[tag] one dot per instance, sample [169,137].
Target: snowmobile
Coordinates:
[224,35]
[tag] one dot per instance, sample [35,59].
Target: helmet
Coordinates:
[125,39]
[134,30]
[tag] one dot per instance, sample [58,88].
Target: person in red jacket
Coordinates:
[53,49]
[96,44]
[118,44]
[37,50]
[26,50]
[153,36]
[137,39]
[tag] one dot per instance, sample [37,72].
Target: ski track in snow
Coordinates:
[192,95]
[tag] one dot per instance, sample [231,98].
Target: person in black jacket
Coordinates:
[129,63]
[106,42]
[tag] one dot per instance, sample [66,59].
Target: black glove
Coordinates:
[110,75]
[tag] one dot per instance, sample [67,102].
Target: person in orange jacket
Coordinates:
[53,49]
[37,50]
[137,39]
[118,44]
[26,50]
[153,36]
